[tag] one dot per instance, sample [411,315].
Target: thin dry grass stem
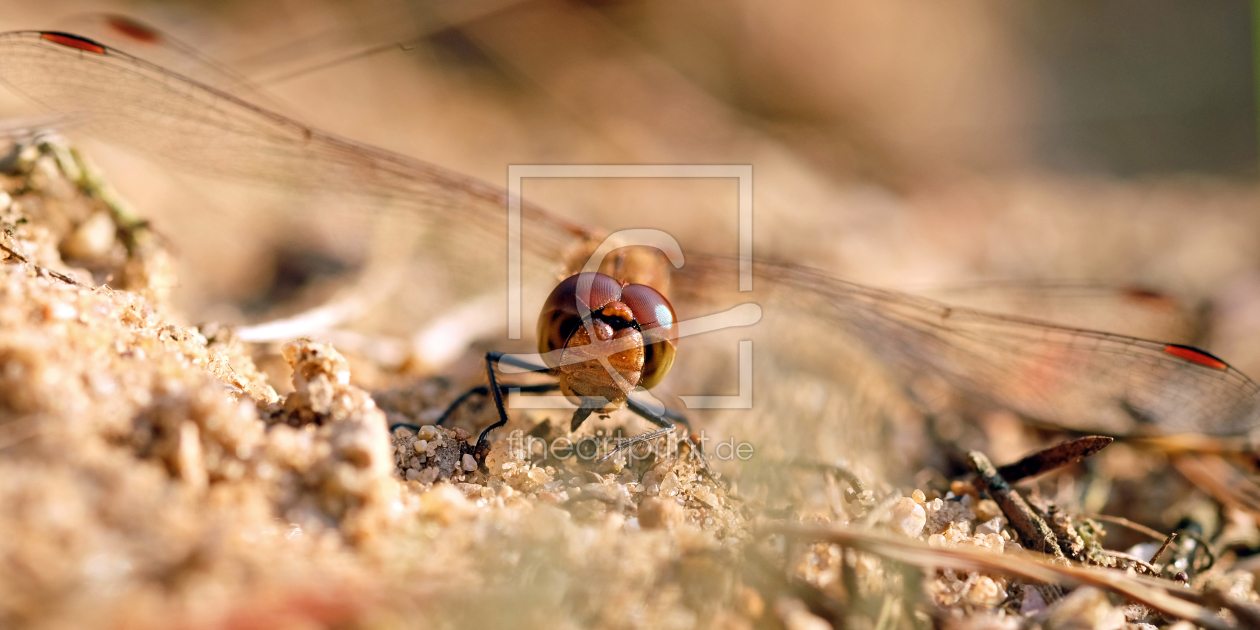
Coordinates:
[1124,522]
[1170,599]
[1219,479]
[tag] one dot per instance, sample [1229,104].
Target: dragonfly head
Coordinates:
[591,323]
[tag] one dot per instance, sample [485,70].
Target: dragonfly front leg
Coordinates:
[498,391]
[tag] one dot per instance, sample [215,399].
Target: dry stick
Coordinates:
[1056,456]
[1164,547]
[1223,482]
[1060,523]
[1033,531]
[1142,590]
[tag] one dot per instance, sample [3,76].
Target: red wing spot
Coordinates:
[133,30]
[74,41]
[1194,355]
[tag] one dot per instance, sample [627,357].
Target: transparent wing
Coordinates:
[1071,377]
[126,100]
[159,48]
[1126,310]
[1074,378]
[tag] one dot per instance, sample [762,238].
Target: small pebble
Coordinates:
[670,486]
[987,510]
[907,518]
[991,526]
[470,464]
[986,592]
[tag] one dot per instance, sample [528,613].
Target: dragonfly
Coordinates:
[1072,378]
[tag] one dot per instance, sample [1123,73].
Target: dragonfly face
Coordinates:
[588,319]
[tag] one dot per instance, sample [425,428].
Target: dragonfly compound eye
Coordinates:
[656,320]
[636,319]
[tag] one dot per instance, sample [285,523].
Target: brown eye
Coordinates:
[560,313]
[659,326]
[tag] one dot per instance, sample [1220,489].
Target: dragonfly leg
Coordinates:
[670,414]
[666,420]
[497,390]
[483,390]
[480,390]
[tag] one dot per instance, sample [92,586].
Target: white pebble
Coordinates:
[991,526]
[907,518]
[986,592]
[470,464]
